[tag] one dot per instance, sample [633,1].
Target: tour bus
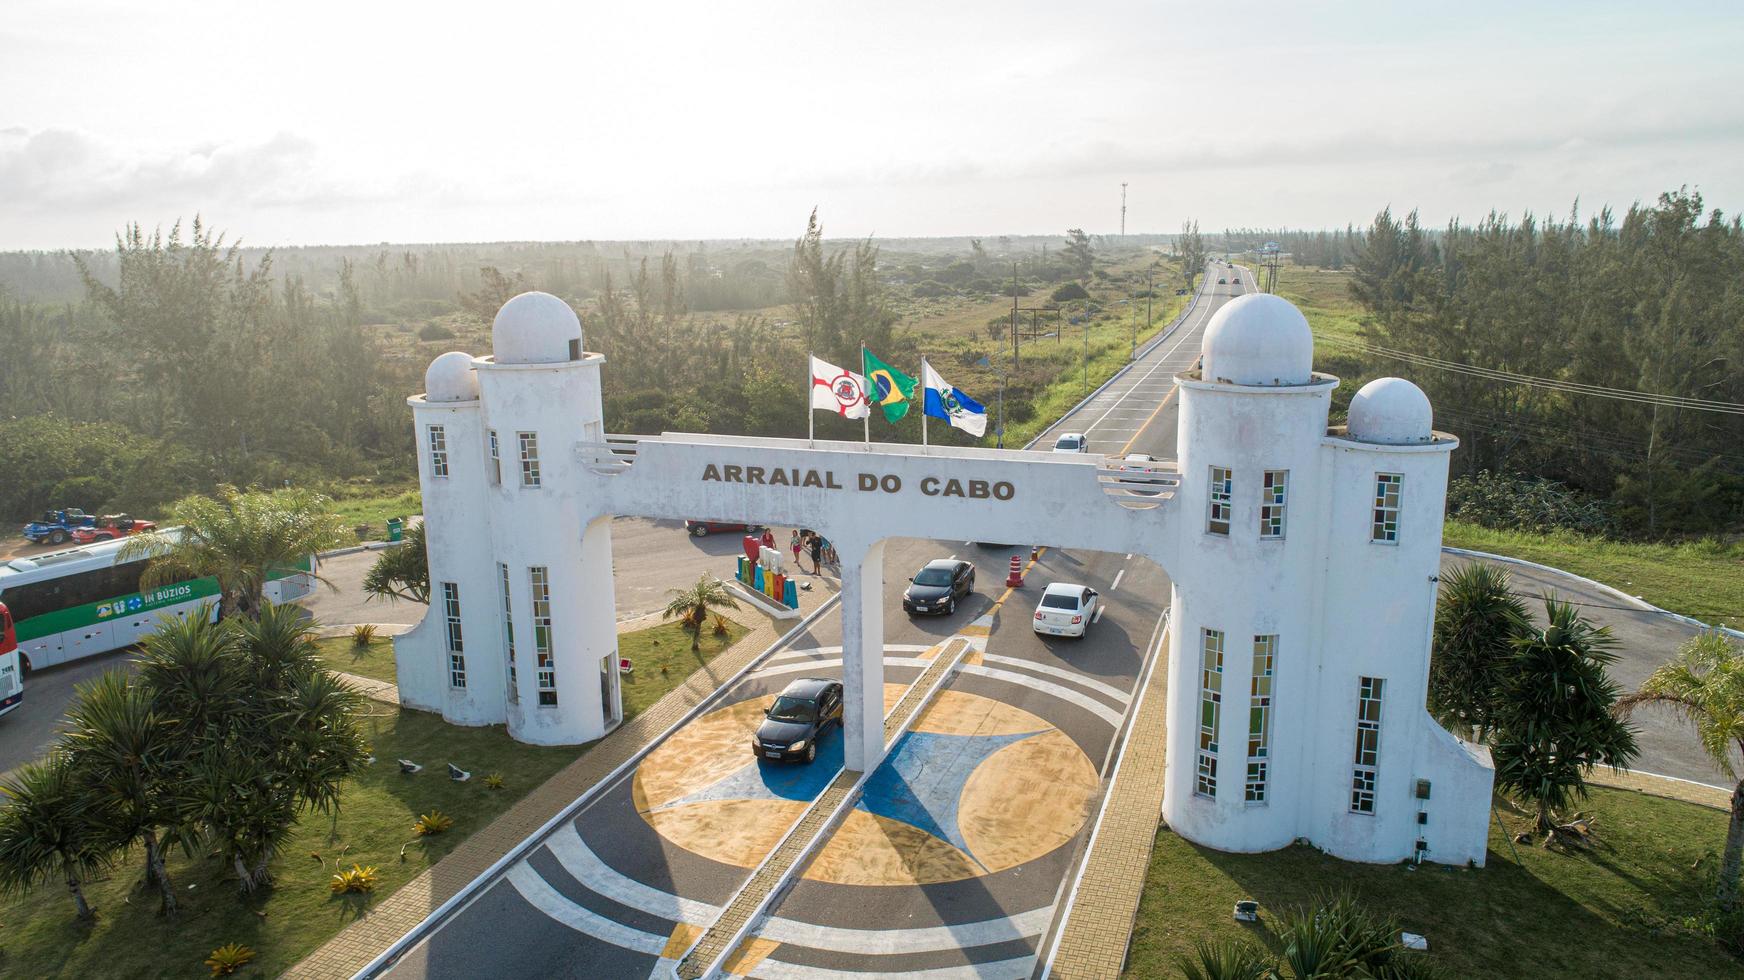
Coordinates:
[11,671]
[83,601]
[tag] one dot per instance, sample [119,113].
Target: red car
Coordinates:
[702,529]
[111,526]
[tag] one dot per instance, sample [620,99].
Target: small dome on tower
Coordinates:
[1259,339]
[536,328]
[1392,412]
[450,378]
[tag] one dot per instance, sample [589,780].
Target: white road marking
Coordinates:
[1129,556]
[774,969]
[1065,694]
[1117,577]
[1068,675]
[800,668]
[1203,315]
[550,901]
[1099,611]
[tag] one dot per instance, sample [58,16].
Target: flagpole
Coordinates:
[810,415]
[923,391]
[867,395]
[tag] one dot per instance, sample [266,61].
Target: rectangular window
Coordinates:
[438,450]
[456,649]
[1210,710]
[508,628]
[1386,528]
[1259,720]
[1274,495]
[1368,744]
[529,458]
[540,579]
[1222,489]
[496,459]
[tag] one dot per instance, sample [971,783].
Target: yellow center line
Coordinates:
[1009,589]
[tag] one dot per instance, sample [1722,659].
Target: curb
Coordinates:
[1611,590]
[354,549]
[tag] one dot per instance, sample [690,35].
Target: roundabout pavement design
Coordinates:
[949,865]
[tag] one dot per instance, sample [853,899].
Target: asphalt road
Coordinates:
[957,856]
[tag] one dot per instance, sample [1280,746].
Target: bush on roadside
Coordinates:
[1504,502]
[1069,292]
[435,331]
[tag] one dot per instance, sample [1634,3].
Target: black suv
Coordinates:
[937,587]
[798,718]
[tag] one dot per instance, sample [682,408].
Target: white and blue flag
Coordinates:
[950,404]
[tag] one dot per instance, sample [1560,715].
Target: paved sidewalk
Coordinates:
[1092,943]
[388,920]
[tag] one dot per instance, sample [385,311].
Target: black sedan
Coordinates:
[798,718]
[936,588]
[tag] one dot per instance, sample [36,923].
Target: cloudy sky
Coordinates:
[361,122]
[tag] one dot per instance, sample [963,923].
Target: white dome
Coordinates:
[1259,339]
[1392,412]
[450,378]
[535,328]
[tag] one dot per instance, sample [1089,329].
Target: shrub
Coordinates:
[358,879]
[229,958]
[493,781]
[433,823]
[930,289]
[1070,291]
[1513,503]
[435,331]
[362,634]
[720,625]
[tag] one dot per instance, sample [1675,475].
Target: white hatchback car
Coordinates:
[1066,609]
[1071,442]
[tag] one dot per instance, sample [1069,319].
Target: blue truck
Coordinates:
[56,526]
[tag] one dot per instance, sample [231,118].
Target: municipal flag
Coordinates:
[887,387]
[946,402]
[838,390]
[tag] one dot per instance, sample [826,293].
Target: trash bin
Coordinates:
[396,529]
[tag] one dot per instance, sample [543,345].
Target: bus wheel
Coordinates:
[24,663]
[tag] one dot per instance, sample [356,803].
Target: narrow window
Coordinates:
[1259,720]
[1386,528]
[496,458]
[438,451]
[508,624]
[540,578]
[1222,487]
[1274,493]
[456,649]
[1368,744]
[529,458]
[1210,709]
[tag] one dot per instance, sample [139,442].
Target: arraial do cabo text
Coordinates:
[931,486]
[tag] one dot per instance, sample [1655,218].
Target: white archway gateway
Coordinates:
[1303,559]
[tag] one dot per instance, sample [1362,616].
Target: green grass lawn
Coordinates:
[39,936]
[1704,579]
[373,504]
[1613,911]
[375,660]
[663,659]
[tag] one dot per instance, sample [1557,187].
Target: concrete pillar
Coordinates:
[862,655]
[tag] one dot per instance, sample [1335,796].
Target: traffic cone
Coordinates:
[1015,579]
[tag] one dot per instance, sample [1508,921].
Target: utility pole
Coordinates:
[1123,209]
[1086,355]
[1013,341]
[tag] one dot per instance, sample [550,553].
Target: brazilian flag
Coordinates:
[890,389]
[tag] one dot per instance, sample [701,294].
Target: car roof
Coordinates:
[1063,588]
[949,564]
[1139,458]
[807,687]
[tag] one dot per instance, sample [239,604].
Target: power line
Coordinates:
[1568,387]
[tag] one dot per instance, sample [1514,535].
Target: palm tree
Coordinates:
[691,606]
[124,752]
[1336,939]
[1553,720]
[1706,684]
[403,572]
[50,828]
[1477,620]
[241,539]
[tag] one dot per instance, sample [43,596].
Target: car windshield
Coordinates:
[1059,601]
[792,709]
[933,576]
[1067,442]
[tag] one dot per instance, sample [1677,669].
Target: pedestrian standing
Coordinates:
[817,554]
[769,538]
[795,545]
